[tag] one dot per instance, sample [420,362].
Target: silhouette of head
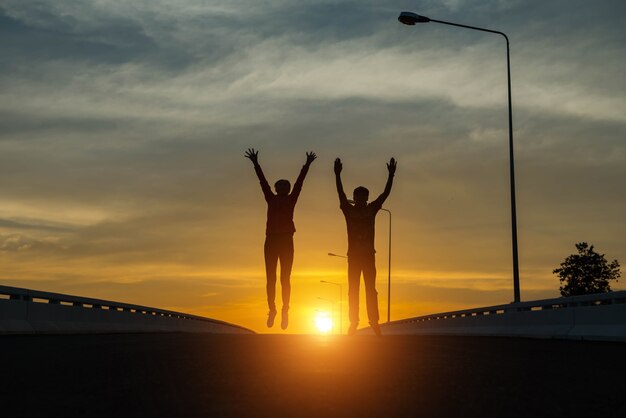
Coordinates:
[360,195]
[282,187]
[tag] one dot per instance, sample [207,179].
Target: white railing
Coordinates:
[599,316]
[597,299]
[26,310]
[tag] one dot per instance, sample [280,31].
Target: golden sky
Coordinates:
[123,128]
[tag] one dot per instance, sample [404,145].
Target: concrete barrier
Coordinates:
[590,317]
[25,311]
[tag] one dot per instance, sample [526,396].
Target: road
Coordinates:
[193,375]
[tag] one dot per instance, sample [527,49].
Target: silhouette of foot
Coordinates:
[270,318]
[284,323]
[376,329]
[352,329]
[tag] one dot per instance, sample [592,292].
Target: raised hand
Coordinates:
[310,157]
[391,166]
[338,166]
[253,155]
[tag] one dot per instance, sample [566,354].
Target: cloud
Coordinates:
[22,243]
[33,224]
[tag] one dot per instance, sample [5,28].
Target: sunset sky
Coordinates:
[123,126]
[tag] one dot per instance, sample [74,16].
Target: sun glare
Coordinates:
[323,322]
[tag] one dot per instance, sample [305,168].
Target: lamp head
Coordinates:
[410,18]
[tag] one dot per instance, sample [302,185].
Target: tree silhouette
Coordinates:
[586,272]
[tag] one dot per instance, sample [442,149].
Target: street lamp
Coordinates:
[340,302]
[410,18]
[389,270]
[332,307]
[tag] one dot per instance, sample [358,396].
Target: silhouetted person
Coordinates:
[360,220]
[279,233]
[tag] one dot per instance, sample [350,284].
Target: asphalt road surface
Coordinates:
[194,375]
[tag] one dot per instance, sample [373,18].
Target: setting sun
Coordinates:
[323,322]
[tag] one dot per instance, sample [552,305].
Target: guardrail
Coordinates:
[599,316]
[26,311]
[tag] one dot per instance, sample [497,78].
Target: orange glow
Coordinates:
[323,322]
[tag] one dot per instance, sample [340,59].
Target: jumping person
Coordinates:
[279,233]
[360,220]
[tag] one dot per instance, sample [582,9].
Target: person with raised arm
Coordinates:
[360,221]
[279,233]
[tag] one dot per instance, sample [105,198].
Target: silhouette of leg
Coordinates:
[354,279]
[371,295]
[271,261]
[286,263]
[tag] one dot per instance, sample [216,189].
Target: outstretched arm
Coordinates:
[343,200]
[297,188]
[391,168]
[253,156]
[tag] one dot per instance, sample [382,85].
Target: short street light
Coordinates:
[332,307]
[340,303]
[410,18]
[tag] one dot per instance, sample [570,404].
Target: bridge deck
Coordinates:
[240,376]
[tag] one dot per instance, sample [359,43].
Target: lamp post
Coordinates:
[389,270]
[340,302]
[410,18]
[332,307]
